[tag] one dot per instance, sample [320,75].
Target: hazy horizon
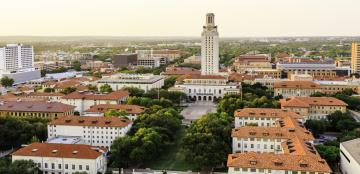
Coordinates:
[171,18]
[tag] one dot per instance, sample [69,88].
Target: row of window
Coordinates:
[59,166]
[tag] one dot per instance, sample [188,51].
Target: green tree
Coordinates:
[169,82]
[105,88]
[77,65]
[117,113]
[68,90]
[330,153]
[23,167]
[134,91]
[6,81]
[17,131]
[317,127]
[127,151]
[92,87]
[207,141]
[49,90]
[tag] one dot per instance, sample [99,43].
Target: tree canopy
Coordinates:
[6,81]
[106,88]
[207,141]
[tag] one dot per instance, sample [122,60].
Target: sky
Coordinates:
[235,18]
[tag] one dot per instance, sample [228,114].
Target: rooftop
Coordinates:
[88,95]
[297,85]
[130,109]
[308,101]
[35,106]
[278,162]
[353,147]
[266,112]
[91,121]
[60,151]
[131,78]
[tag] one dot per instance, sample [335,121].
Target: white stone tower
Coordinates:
[210,47]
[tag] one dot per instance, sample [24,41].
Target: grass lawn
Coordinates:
[172,158]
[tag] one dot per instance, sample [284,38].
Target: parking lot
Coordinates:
[195,110]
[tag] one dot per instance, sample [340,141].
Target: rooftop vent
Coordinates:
[252,133]
[81,121]
[34,150]
[278,163]
[67,120]
[94,121]
[253,162]
[54,151]
[75,152]
[107,122]
[291,130]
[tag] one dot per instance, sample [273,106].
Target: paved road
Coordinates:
[195,110]
[355,115]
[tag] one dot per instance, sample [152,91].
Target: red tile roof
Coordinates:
[278,162]
[35,106]
[181,71]
[79,151]
[87,95]
[266,112]
[297,85]
[129,109]
[91,121]
[308,101]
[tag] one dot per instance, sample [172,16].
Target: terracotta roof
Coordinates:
[181,71]
[35,106]
[266,112]
[278,162]
[45,94]
[91,121]
[70,83]
[130,109]
[87,95]
[237,77]
[297,84]
[60,151]
[271,132]
[308,101]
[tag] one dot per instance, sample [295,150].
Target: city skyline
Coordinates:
[245,18]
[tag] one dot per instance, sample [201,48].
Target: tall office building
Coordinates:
[355,57]
[210,47]
[17,62]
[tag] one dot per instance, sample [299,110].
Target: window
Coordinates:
[59,166]
[80,167]
[244,169]
[46,165]
[236,169]
[87,167]
[52,166]
[66,166]
[252,170]
[73,167]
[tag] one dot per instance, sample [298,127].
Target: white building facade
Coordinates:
[64,158]
[94,131]
[210,47]
[17,62]
[145,82]
[350,156]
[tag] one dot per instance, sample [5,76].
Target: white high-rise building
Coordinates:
[17,62]
[210,47]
